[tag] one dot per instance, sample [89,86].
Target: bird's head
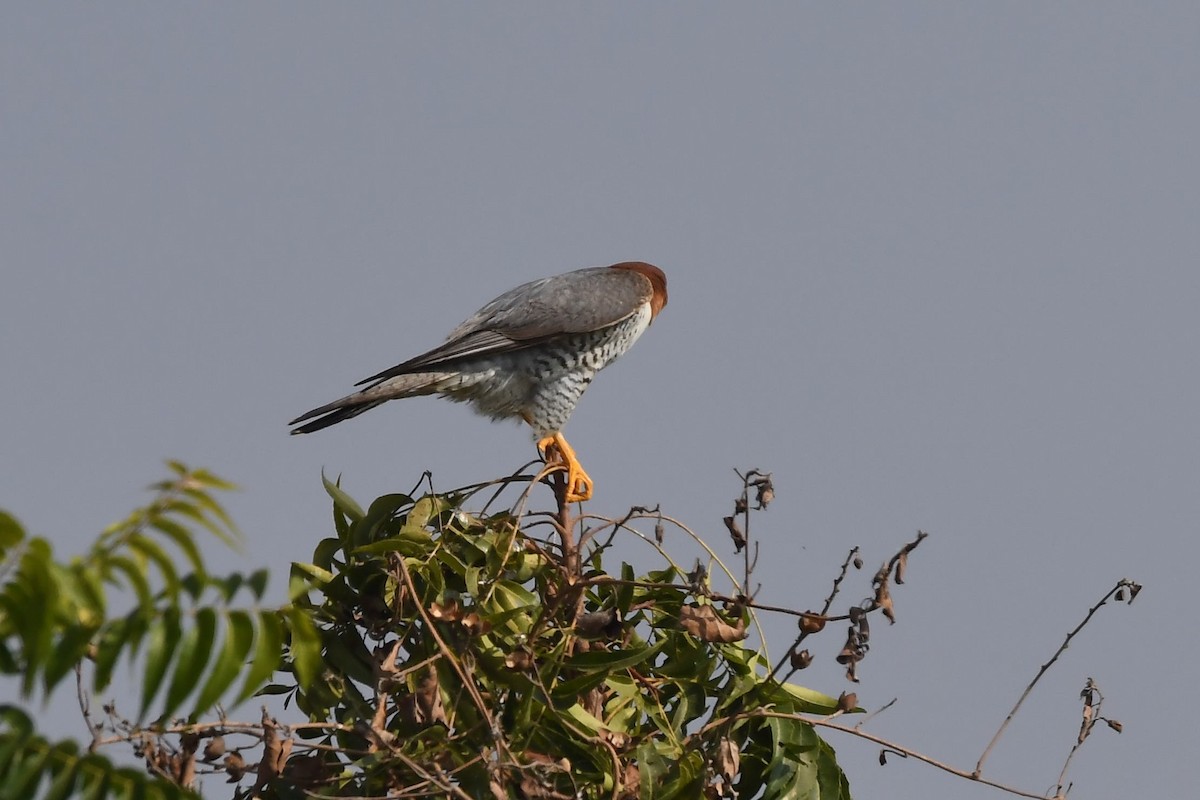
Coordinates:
[657,279]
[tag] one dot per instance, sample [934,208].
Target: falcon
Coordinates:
[529,354]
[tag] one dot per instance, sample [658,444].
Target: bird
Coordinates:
[529,354]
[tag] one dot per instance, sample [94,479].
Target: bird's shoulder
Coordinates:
[533,313]
[574,302]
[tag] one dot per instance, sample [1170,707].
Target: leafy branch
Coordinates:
[435,648]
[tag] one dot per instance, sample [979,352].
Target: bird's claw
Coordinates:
[579,486]
[557,453]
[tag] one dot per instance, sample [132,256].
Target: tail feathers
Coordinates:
[355,404]
[333,414]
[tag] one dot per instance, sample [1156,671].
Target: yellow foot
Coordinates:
[556,452]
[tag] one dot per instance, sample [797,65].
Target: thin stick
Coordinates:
[907,753]
[1124,583]
[467,680]
[1093,700]
[85,708]
[875,713]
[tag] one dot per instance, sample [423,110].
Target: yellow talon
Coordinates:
[555,451]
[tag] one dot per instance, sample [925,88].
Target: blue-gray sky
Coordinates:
[934,265]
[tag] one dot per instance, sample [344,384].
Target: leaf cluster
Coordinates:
[141,596]
[453,652]
[426,649]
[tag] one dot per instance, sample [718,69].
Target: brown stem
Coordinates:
[827,722]
[1121,584]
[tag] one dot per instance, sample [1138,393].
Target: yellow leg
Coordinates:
[555,450]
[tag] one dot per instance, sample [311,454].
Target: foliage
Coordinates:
[56,616]
[459,649]
[428,649]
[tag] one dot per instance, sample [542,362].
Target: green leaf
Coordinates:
[381,513]
[25,771]
[8,663]
[85,586]
[136,577]
[810,700]
[305,647]
[11,532]
[625,590]
[342,501]
[689,768]
[123,635]
[424,510]
[258,582]
[570,690]
[831,781]
[148,549]
[194,654]
[18,723]
[186,509]
[183,539]
[408,541]
[316,576]
[456,565]
[586,719]
[350,657]
[471,579]
[239,635]
[212,481]
[325,552]
[68,651]
[608,660]
[31,600]
[66,756]
[268,647]
[164,635]
[655,759]
[513,595]
[95,776]
[206,501]
[229,585]
[789,776]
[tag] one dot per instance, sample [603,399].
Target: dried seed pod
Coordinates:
[800,660]
[215,748]
[235,767]
[518,660]
[811,623]
[735,533]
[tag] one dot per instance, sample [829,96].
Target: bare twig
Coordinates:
[837,582]
[857,615]
[876,713]
[1122,586]
[85,708]
[764,494]
[1092,701]
[906,752]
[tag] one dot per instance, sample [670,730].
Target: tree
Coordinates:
[432,647]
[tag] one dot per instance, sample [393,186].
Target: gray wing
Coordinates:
[575,302]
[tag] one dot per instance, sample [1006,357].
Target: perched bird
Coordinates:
[530,353]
